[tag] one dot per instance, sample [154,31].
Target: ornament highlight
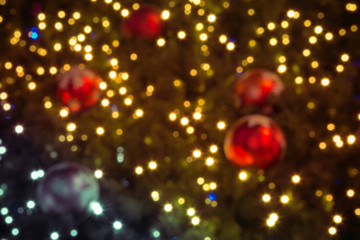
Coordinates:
[78,89]
[254,140]
[254,87]
[67,188]
[144,23]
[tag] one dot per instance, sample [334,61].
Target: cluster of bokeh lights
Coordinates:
[187,122]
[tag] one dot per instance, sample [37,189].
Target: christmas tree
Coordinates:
[199,119]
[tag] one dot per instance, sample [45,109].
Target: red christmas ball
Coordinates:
[78,89]
[255,140]
[144,23]
[254,87]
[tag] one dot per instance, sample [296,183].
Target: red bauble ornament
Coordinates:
[254,87]
[255,140]
[78,89]
[144,23]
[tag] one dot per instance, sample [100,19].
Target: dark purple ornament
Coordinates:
[67,188]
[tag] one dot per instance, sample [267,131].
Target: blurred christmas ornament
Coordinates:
[254,87]
[255,140]
[144,23]
[78,89]
[67,188]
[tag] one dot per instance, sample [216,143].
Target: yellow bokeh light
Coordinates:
[230,46]
[42,25]
[243,176]
[168,207]
[76,15]
[203,37]
[271,26]
[71,127]
[222,39]
[266,198]
[284,24]
[184,121]
[7,107]
[322,145]
[284,199]
[332,231]
[329,36]
[199,26]
[273,41]
[190,211]
[337,219]
[190,130]
[128,101]
[325,82]
[47,104]
[296,179]
[270,222]
[181,34]
[298,80]
[165,15]
[152,165]
[155,196]
[351,7]
[282,68]
[100,131]
[41,16]
[291,13]
[221,125]
[61,14]
[339,68]
[211,18]
[351,139]
[88,57]
[273,216]
[105,102]
[330,127]
[125,13]
[209,161]
[213,186]
[357,211]
[139,170]
[64,112]
[103,85]
[161,42]
[3,95]
[200,181]
[88,48]
[57,47]
[139,112]
[195,221]
[345,57]
[318,29]
[213,148]
[197,115]
[350,193]
[31,86]
[196,153]
[172,116]
[306,52]
[116,6]
[58,26]
[112,74]
[312,40]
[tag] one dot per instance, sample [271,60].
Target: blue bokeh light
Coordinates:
[212,196]
[34,33]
